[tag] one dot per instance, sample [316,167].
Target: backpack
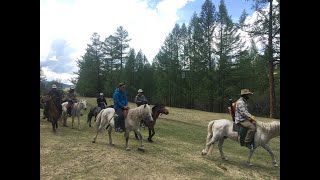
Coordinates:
[232,108]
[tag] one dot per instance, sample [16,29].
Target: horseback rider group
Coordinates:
[239,113]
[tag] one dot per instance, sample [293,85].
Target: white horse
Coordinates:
[75,111]
[132,122]
[220,129]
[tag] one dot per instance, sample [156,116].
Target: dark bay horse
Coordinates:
[53,112]
[157,109]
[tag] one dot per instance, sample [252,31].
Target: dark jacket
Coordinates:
[72,96]
[100,101]
[140,99]
[56,96]
[119,99]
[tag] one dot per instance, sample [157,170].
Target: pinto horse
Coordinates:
[157,109]
[75,111]
[218,130]
[132,122]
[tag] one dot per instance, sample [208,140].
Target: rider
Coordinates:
[56,97]
[101,101]
[120,102]
[140,99]
[71,98]
[243,117]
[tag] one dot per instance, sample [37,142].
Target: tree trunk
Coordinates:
[272,95]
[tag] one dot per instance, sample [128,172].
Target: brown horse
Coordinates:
[157,109]
[53,112]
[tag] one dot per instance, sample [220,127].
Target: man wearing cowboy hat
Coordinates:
[140,99]
[71,98]
[243,117]
[57,98]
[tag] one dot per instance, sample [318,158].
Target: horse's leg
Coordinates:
[149,138]
[136,135]
[274,161]
[109,132]
[210,142]
[220,149]
[72,117]
[126,135]
[152,133]
[250,155]
[53,126]
[95,137]
[141,148]
[57,123]
[78,115]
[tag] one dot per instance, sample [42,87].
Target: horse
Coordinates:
[94,111]
[53,112]
[75,111]
[132,122]
[157,109]
[218,130]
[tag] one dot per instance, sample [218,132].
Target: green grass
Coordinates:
[175,154]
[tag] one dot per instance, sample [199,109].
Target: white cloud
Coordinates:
[75,22]
[63,77]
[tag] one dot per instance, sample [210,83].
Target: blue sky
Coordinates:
[67,25]
[234,7]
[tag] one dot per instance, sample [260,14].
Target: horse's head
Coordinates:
[147,112]
[160,108]
[46,98]
[84,104]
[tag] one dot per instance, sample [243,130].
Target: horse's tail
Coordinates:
[210,133]
[90,114]
[98,121]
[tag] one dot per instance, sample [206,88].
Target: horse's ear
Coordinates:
[145,105]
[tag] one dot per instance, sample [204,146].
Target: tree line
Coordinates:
[200,65]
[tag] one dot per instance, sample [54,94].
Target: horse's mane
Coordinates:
[270,127]
[157,105]
[138,111]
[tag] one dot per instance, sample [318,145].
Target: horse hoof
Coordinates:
[93,141]
[249,164]
[128,149]
[141,149]
[89,125]
[150,140]
[111,144]
[225,158]
[275,165]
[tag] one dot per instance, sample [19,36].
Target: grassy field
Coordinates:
[175,154]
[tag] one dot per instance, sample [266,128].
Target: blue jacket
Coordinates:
[119,99]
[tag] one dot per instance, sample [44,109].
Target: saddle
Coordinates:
[242,132]
[125,113]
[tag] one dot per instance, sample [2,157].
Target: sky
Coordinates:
[67,25]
